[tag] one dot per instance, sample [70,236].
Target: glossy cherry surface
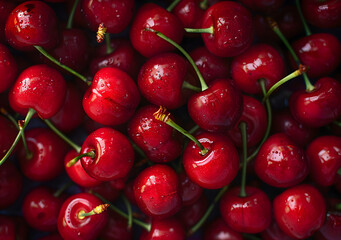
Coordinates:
[157,191]
[273,232]
[8,68]
[219,230]
[190,191]
[300,211]
[331,229]
[190,13]
[7,135]
[165,229]
[218,167]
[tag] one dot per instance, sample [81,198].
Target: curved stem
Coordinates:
[55,61]
[62,189]
[108,44]
[243,131]
[191,87]
[130,213]
[209,30]
[61,135]
[90,154]
[201,79]
[173,5]
[22,127]
[72,14]
[305,25]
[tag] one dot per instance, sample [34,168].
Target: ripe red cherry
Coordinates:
[232,29]
[190,192]
[190,215]
[300,211]
[332,227]
[6,8]
[218,167]
[219,230]
[218,108]
[13,228]
[280,162]
[114,155]
[154,17]
[273,232]
[319,106]
[7,135]
[165,229]
[114,14]
[73,226]
[324,156]
[39,87]
[8,68]
[260,61]
[112,97]
[32,23]
[250,214]
[157,191]
[190,13]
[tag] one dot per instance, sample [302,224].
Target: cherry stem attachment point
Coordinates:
[190,87]
[90,154]
[183,51]
[304,22]
[209,30]
[163,116]
[72,14]
[97,210]
[173,5]
[243,131]
[101,33]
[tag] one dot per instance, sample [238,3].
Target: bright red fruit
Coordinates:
[219,230]
[165,229]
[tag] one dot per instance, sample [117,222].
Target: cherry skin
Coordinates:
[250,214]
[165,229]
[114,14]
[8,133]
[160,142]
[32,23]
[112,97]
[190,192]
[260,61]
[255,116]
[219,230]
[48,151]
[105,190]
[157,191]
[6,8]
[218,108]
[319,106]
[232,29]
[264,6]
[114,155]
[273,232]
[154,17]
[324,156]
[280,162]
[117,228]
[71,226]
[190,13]
[190,215]
[299,211]
[39,87]
[331,229]
[218,167]
[8,68]
[12,228]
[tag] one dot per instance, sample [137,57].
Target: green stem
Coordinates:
[305,25]
[191,87]
[338,206]
[339,171]
[130,213]
[108,44]
[62,136]
[243,131]
[251,237]
[209,210]
[193,129]
[62,189]
[201,79]
[209,30]
[90,154]
[138,150]
[28,118]
[337,123]
[173,5]
[55,61]
[204,4]
[72,14]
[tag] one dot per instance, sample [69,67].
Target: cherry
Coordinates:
[214,169]
[273,232]
[6,8]
[164,229]
[75,221]
[191,215]
[260,61]
[264,6]
[117,228]
[318,107]
[324,156]
[46,153]
[219,230]
[157,191]
[112,97]
[158,141]
[190,191]
[11,184]
[190,13]
[280,162]
[8,68]
[12,228]
[114,14]
[7,135]
[300,211]
[331,229]
[151,16]
[32,23]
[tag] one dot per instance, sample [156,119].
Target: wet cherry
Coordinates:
[8,68]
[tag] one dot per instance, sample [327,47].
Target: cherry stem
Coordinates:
[268,127]
[22,127]
[108,44]
[243,131]
[204,4]
[139,151]
[183,51]
[209,210]
[163,116]
[339,171]
[209,30]
[191,87]
[298,72]
[55,61]
[193,129]
[274,26]
[62,136]
[337,123]
[90,154]
[62,189]
[305,25]
[173,5]
[130,213]
[144,225]
[72,14]
[97,210]
[338,206]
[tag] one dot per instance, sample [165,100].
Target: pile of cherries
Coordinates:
[187,124]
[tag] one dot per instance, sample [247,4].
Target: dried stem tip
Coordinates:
[101,33]
[162,114]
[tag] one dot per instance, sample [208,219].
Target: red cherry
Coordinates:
[260,61]
[39,87]
[73,226]
[232,29]
[190,215]
[112,97]
[273,232]
[300,211]
[324,156]
[8,68]
[154,17]
[8,133]
[106,190]
[264,6]
[117,228]
[190,191]
[6,8]
[165,229]
[32,23]
[189,12]
[319,106]
[280,162]
[219,230]
[215,169]
[12,228]
[332,227]
[157,191]
[114,155]
[250,214]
